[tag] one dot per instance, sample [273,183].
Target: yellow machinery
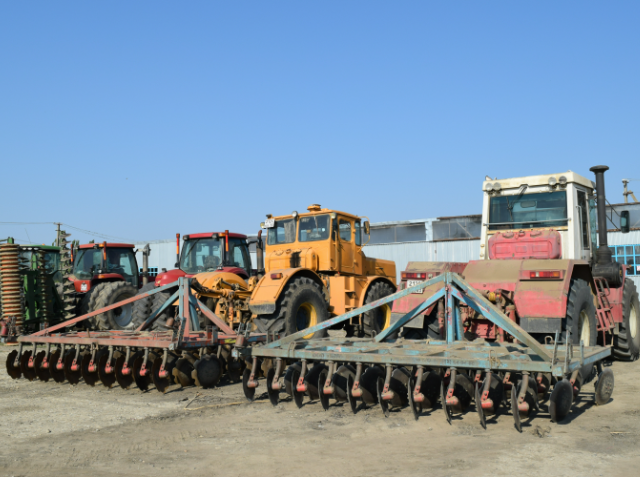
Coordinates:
[314,268]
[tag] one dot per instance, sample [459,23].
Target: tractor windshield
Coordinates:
[207,254]
[314,228]
[283,231]
[121,261]
[545,209]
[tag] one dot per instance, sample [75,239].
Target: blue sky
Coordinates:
[142,119]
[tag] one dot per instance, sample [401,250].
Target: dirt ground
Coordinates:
[49,429]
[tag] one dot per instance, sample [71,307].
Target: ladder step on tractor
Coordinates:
[517,374]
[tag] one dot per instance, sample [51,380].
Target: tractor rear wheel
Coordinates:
[120,318]
[142,307]
[301,305]
[160,323]
[581,319]
[379,319]
[626,345]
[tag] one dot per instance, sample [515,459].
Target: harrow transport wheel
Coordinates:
[164,320]
[249,393]
[12,370]
[626,345]
[209,370]
[324,398]
[379,319]
[560,400]
[120,318]
[581,318]
[27,372]
[162,379]
[73,372]
[143,378]
[142,307]
[301,304]
[108,376]
[57,374]
[604,387]
[274,394]
[43,373]
[125,380]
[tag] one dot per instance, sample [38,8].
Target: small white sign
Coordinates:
[413,283]
[269,223]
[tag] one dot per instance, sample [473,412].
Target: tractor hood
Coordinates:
[292,258]
[379,267]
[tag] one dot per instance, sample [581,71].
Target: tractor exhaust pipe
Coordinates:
[260,254]
[605,267]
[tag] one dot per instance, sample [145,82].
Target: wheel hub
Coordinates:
[633,321]
[585,329]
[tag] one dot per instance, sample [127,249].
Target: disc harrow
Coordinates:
[185,356]
[512,376]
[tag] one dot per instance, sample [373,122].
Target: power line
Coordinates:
[88,232]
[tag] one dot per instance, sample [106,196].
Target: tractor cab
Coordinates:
[551,216]
[104,262]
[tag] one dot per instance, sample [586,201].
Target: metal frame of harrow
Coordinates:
[187,337]
[524,355]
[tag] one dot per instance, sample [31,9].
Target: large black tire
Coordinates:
[626,345]
[142,307]
[581,320]
[120,318]
[378,319]
[300,305]
[159,299]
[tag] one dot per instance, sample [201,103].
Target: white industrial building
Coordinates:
[443,239]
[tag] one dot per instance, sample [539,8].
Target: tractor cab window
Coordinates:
[313,228]
[545,209]
[239,254]
[584,218]
[358,233]
[345,230]
[120,261]
[201,255]
[87,263]
[283,231]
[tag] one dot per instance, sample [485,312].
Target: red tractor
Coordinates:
[221,252]
[541,265]
[103,274]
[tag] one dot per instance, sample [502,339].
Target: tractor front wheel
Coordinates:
[300,305]
[120,318]
[142,307]
[378,319]
[581,319]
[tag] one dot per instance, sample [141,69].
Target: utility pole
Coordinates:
[57,224]
[626,193]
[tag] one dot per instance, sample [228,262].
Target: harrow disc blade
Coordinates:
[42,372]
[324,398]
[369,385]
[399,384]
[12,370]
[274,394]
[340,382]
[416,407]
[108,376]
[162,380]
[209,370]
[124,375]
[73,372]
[298,397]
[353,401]
[27,372]
[431,382]
[57,374]
[290,382]
[384,405]
[249,393]
[560,400]
[604,387]
[142,377]
[312,380]
[443,399]
[234,370]
[544,384]
[182,372]
[90,377]
[514,408]
[478,402]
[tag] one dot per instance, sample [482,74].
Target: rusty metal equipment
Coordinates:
[397,373]
[184,356]
[10,288]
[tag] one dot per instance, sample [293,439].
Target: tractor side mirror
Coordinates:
[624,221]
[367,228]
